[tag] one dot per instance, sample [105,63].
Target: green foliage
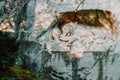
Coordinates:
[4,78]
[18,73]
[8,57]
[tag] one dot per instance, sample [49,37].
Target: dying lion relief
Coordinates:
[95,18]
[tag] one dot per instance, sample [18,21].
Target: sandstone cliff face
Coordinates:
[79,53]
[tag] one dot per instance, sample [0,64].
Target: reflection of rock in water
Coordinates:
[100,74]
[96,66]
[75,75]
[75,70]
[100,64]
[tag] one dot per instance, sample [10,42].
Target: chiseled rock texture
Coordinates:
[68,60]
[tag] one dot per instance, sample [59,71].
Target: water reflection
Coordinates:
[75,64]
[100,57]
[100,69]
[95,66]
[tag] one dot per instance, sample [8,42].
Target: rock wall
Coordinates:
[59,65]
